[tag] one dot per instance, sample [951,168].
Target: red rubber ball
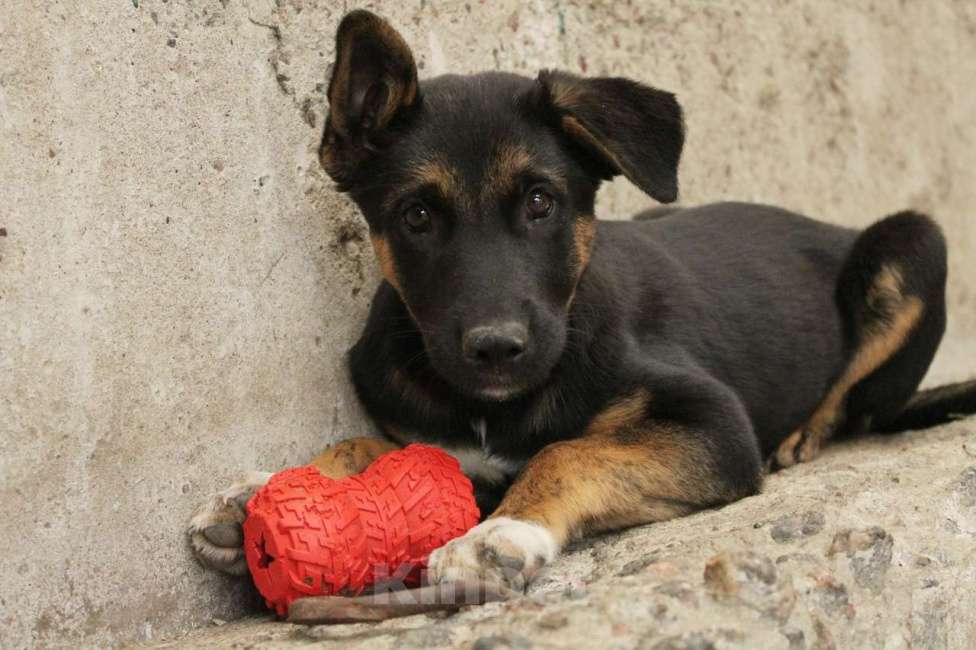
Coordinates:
[308,535]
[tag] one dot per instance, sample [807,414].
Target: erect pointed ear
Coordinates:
[374,81]
[622,126]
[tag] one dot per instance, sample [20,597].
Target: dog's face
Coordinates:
[479,192]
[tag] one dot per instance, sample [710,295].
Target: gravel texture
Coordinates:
[871,546]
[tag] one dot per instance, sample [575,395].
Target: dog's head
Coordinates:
[478,191]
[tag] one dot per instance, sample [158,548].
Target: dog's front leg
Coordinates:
[627,469]
[351,456]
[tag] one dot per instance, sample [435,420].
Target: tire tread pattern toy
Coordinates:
[306,534]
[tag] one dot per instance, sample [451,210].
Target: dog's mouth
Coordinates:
[500,387]
[497,387]
[499,393]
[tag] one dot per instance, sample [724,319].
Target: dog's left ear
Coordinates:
[623,127]
[374,81]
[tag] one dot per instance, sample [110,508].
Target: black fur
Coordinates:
[629,128]
[935,406]
[736,318]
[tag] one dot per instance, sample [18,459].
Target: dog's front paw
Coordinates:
[502,550]
[215,531]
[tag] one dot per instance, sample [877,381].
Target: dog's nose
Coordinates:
[488,345]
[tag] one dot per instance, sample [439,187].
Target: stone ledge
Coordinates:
[871,546]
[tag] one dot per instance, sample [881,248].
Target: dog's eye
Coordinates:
[539,204]
[417,218]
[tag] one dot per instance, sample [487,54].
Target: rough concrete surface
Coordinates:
[178,281]
[871,546]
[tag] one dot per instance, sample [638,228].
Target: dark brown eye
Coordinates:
[539,204]
[417,218]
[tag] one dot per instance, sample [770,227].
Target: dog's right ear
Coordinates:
[374,80]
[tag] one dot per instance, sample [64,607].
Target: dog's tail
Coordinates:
[933,406]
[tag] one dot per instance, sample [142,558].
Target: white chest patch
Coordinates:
[481,464]
[478,462]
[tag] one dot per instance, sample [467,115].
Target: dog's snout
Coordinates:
[487,345]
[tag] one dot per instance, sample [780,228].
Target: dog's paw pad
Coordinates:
[215,531]
[225,535]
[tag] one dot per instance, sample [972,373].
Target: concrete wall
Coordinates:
[178,282]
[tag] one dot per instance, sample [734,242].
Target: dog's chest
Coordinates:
[478,461]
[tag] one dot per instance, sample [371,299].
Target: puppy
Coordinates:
[592,375]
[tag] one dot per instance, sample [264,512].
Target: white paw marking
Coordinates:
[215,528]
[502,550]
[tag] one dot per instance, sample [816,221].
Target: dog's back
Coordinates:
[744,291]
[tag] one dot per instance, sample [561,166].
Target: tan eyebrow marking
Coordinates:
[440,175]
[431,173]
[509,161]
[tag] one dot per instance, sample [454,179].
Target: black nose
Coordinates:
[488,345]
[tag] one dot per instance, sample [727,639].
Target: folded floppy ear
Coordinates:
[374,80]
[622,126]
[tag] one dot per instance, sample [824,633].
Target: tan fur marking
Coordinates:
[590,484]
[403,95]
[339,88]
[509,161]
[878,348]
[381,246]
[624,470]
[574,128]
[351,456]
[565,95]
[622,414]
[584,234]
[885,293]
[399,94]
[440,175]
[898,316]
[436,173]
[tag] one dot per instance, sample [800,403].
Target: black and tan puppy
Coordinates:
[593,375]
